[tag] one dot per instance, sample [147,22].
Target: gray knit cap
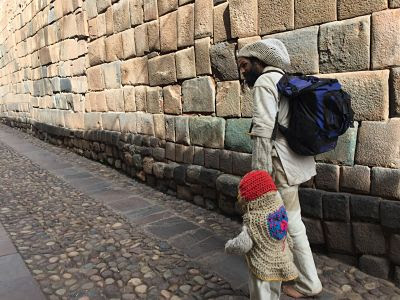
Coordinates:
[270,51]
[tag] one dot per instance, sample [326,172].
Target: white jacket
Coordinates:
[266,103]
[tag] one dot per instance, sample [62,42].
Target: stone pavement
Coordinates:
[86,231]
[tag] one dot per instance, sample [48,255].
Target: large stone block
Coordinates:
[112,75]
[101,25]
[134,71]
[236,136]
[228,99]
[336,207]
[211,158]
[369,93]
[394,3]
[91,8]
[186,26]
[128,43]
[384,136]
[327,177]
[95,78]
[115,100]
[222,23]
[102,5]
[128,122]
[385,183]
[169,32]
[246,102]
[207,131]
[109,21]
[312,12]
[198,158]
[364,208]
[185,63]
[228,185]
[385,49]
[154,100]
[241,163]
[110,121]
[140,97]
[364,233]
[395,92]
[203,18]
[166,6]
[141,40]
[198,95]
[355,179]
[121,18]
[202,54]
[225,161]
[74,120]
[390,214]
[145,123]
[345,149]
[350,8]
[182,130]
[97,52]
[172,99]
[302,46]
[153,34]
[150,9]
[315,233]
[92,121]
[275,16]
[338,236]
[162,70]
[375,266]
[345,45]
[136,11]
[244,18]
[311,202]
[159,126]
[394,248]
[170,128]
[223,61]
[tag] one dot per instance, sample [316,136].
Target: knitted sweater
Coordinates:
[270,258]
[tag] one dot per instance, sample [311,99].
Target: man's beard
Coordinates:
[251,77]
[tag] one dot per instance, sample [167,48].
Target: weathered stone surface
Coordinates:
[134,71]
[315,233]
[385,183]
[207,131]
[390,214]
[302,46]
[115,100]
[394,3]
[112,75]
[114,49]
[202,55]
[223,61]
[208,177]
[150,9]
[375,266]
[198,158]
[395,92]
[182,130]
[95,78]
[394,248]
[198,95]
[165,6]
[355,179]
[364,208]
[121,18]
[128,122]
[211,158]
[345,149]
[382,136]
[172,99]
[153,33]
[140,97]
[385,38]
[170,128]
[246,102]
[228,185]
[186,26]
[312,12]
[102,5]
[338,236]
[225,161]
[350,8]
[170,151]
[159,126]
[145,123]
[244,18]
[169,32]
[228,99]
[185,63]
[162,70]
[203,18]
[236,136]
[275,16]
[327,177]
[222,23]
[311,202]
[193,174]
[74,120]
[91,8]
[241,163]
[336,207]
[364,233]
[369,93]
[188,154]
[110,121]
[249,40]
[154,100]
[97,52]
[128,43]
[344,45]
[136,11]
[129,99]
[141,40]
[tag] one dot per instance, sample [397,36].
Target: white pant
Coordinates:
[263,290]
[308,282]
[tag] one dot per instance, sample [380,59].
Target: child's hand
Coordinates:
[241,244]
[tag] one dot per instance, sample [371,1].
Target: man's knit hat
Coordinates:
[270,51]
[255,184]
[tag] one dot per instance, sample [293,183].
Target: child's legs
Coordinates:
[263,290]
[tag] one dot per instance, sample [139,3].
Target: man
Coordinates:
[262,64]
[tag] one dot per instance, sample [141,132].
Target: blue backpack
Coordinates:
[320,111]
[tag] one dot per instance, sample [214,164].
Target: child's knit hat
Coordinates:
[255,184]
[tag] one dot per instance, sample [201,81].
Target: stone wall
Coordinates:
[152,88]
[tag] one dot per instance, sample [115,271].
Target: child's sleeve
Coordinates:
[241,244]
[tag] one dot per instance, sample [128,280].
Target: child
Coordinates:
[264,237]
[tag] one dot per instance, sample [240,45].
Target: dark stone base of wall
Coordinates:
[359,230]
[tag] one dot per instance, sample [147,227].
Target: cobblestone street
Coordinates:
[85,231]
